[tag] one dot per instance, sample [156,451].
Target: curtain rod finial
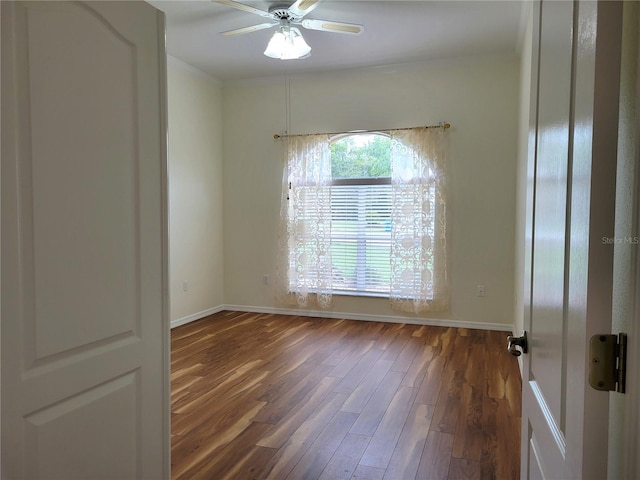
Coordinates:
[276,136]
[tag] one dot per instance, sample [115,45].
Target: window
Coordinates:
[361,214]
[365,215]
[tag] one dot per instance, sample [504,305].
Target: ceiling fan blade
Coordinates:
[337,27]
[252,28]
[301,7]
[245,8]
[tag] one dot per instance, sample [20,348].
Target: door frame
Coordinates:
[631,455]
[164,191]
[631,466]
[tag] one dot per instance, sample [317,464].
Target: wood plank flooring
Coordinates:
[258,396]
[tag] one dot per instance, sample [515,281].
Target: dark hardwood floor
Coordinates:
[258,396]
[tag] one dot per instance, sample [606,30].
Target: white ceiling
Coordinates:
[395,32]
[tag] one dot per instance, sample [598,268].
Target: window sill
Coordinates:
[352,293]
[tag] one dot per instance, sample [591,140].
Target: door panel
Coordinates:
[109,411]
[550,204]
[544,391]
[84,323]
[92,154]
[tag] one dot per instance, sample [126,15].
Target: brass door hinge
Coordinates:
[608,362]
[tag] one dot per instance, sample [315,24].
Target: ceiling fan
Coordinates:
[287,42]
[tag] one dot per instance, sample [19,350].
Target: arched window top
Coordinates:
[361,155]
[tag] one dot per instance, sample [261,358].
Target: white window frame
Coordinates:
[361,287]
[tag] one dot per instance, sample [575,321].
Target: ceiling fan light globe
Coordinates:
[299,47]
[276,45]
[287,44]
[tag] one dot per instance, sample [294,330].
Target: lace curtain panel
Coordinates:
[419,280]
[418,259]
[304,272]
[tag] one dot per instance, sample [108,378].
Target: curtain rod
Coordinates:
[440,125]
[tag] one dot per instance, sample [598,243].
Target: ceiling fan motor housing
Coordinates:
[281,12]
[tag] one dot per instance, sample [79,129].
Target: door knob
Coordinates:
[514,342]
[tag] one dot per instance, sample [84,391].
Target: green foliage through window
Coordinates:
[361,156]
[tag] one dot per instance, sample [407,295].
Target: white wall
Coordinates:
[195,192]
[479,97]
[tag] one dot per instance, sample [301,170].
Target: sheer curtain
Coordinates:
[304,271]
[418,221]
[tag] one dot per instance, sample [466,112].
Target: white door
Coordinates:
[84,325]
[573,139]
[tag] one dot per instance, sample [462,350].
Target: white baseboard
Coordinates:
[372,318]
[348,316]
[197,316]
